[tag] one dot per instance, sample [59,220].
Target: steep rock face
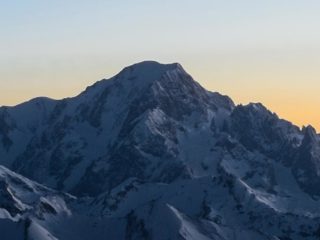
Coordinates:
[260,130]
[19,124]
[6,126]
[307,165]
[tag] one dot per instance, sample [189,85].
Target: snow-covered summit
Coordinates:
[139,75]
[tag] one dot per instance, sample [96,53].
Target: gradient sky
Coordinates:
[253,51]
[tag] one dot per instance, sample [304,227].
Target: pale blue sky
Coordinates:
[266,51]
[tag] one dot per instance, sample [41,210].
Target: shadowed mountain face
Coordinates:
[127,126]
[151,145]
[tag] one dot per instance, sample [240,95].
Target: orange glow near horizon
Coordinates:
[252,51]
[290,89]
[288,95]
[300,113]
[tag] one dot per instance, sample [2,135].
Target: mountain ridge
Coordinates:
[151,145]
[104,81]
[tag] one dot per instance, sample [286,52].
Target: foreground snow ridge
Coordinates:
[150,154]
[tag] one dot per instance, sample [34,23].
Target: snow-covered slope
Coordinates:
[217,207]
[150,154]
[24,204]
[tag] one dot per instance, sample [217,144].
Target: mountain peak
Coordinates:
[149,65]
[138,75]
[148,71]
[310,134]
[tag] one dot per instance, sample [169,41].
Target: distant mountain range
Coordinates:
[150,154]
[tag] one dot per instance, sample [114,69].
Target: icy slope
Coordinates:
[217,207]
[24,204]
